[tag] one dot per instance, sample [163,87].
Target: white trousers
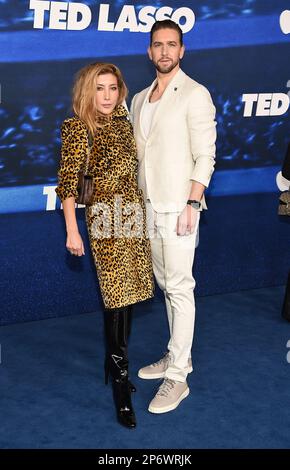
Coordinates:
[173,257]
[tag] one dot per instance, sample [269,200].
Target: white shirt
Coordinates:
[147,116]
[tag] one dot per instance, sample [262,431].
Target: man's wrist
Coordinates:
[194,204]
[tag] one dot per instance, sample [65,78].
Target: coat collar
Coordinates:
[119,112]
[169,94]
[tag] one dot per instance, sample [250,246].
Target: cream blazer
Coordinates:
[181,143]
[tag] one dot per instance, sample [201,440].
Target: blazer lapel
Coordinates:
[142,108]
[168,97]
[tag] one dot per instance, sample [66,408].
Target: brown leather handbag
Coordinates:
[85,186]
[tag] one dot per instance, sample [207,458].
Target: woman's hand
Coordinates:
[74,243]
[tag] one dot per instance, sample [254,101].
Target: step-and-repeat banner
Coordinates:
[240,50]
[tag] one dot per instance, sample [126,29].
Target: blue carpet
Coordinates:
[53,394]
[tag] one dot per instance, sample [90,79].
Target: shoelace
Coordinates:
[165,358]
[165,387]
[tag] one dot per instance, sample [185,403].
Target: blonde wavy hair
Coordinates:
[84,92]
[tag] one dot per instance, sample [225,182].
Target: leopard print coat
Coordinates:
[116,218]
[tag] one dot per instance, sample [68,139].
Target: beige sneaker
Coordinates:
[169,395]
[157,369]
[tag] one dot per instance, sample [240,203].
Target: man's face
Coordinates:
[165,50]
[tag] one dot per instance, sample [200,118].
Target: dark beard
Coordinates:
[166,70]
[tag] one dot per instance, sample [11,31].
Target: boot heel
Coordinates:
[132,387]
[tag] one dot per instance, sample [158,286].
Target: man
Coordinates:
[175,133]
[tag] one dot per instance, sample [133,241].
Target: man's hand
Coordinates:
[186,221]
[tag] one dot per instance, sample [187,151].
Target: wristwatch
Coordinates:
[193,203]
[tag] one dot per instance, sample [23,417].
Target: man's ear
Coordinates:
[182,51]
[149,52]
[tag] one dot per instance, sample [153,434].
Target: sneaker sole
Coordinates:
[155,376]
[165,409]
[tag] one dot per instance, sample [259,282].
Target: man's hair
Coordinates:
[166,24]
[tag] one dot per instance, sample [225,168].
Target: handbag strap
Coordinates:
[90,143]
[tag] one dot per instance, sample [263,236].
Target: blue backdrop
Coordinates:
[239,50]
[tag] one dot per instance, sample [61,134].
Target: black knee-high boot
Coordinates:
[116,363]
[125,331]
[129,319]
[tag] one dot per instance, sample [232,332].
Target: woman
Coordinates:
[115,218]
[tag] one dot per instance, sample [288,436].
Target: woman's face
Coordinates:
[107,93]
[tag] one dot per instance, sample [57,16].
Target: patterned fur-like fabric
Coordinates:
[116,218]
